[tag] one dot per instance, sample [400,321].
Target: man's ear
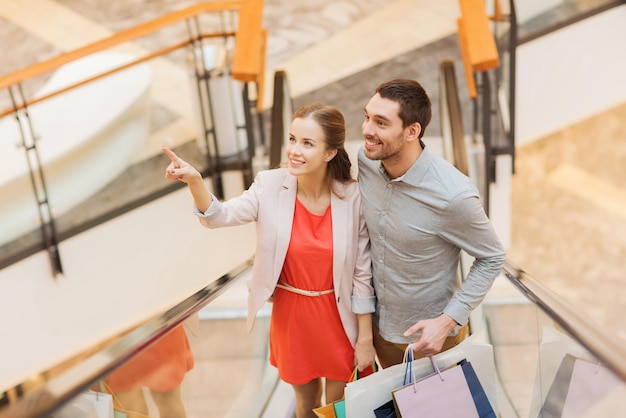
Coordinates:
[413,131]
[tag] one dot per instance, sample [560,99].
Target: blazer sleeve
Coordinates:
[235,211]
[363,297]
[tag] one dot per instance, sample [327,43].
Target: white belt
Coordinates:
[314,293]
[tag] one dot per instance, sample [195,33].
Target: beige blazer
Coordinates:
[270,201]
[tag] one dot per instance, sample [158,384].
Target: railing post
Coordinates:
[29,143]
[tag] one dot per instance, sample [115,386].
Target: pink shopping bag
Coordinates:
[444,394]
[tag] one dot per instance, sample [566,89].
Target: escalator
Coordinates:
[532,331]
[536,336]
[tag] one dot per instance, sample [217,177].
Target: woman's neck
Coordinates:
[314,194]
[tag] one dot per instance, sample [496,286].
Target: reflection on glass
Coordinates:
[544,372]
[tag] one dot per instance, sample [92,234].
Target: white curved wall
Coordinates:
[570,75]
[87,137]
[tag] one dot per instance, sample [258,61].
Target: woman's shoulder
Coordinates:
[274,173]
[276,177]
[347,190]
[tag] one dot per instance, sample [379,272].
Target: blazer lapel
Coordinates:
[339,212]
[286,208]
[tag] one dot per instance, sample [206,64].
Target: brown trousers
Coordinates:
[389,353]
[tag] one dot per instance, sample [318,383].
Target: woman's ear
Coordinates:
[330,154]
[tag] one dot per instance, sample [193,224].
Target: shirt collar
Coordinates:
[416,172]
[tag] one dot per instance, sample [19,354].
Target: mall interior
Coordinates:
[102,260]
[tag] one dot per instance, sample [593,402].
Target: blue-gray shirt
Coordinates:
[418,225]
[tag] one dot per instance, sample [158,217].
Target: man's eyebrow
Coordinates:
[385,118]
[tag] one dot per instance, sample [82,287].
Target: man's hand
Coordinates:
[434,333]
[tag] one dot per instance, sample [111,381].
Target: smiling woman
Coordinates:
[85,138]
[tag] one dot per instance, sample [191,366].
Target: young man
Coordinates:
[421,212]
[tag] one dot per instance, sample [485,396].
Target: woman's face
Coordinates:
[306,148]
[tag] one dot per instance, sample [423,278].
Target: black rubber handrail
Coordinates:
[600,344]
[450,99]
[282,109]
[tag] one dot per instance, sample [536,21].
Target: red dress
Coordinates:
[307,339]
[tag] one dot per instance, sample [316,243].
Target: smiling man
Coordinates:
[420,212]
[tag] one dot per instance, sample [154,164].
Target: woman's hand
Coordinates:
[364,355]
[179,169]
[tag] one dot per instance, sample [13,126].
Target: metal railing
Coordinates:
[235,25]
[604,347]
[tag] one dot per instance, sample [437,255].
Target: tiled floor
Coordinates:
[568,191]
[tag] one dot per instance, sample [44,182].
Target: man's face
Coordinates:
[382,129]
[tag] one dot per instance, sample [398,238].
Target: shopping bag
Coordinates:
[481,401]
[87,404]
[386,410]
[577,386]
[340,409]
[443,394]
[363,396]
[326,411]
[337,409]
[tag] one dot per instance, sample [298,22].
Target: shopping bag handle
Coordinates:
[355,372]
[408,362]
[409,376]
[432,361]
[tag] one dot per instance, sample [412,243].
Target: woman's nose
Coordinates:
[293,149]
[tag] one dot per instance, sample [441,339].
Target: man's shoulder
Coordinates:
[450,178]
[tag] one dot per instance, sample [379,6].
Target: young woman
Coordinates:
[312,256]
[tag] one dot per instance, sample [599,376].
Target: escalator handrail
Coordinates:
[118,38]
[282,105]
[61,388]
[455,118]
[587,333]
[247,65]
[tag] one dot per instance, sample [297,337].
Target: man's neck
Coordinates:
[398,165]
